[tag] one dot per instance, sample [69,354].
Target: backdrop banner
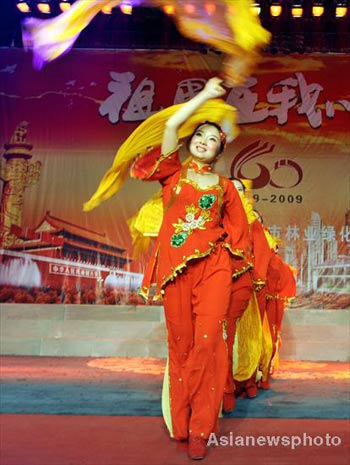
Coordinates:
[61,127]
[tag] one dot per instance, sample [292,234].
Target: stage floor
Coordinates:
[106,411]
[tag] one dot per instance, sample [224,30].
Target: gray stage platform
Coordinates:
[129,331]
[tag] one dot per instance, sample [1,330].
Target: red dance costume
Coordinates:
[242,290]
[192,268]
[262,254]
[280,289]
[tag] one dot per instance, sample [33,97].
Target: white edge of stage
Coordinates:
[139,331]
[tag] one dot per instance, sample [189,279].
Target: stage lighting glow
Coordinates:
[255,8]
[107,10]
[210,8]
[189,8]
[126,8]
[44,7]
[23,7]
[340,11]
[317,10]
[169,9]
[297,11]
[147,366]
[275,10]
[65,5]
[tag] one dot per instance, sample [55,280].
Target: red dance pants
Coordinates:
[241,291]
[195,306]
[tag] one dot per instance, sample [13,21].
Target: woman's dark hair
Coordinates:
[260,217]
[211,123]
[232,178]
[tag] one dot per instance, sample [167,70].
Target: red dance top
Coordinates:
[261,253]
[281,283]
[195,220]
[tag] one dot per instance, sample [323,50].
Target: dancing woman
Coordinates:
[204,227]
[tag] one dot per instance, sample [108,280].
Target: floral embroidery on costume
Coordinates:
[207,201]
[178,239]
[184,228]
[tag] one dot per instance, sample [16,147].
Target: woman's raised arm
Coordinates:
[212,89]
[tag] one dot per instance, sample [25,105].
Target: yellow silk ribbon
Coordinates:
[149,134]
[231,29]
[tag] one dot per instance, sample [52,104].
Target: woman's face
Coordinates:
[205,144]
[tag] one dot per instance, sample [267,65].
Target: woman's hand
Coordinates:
[213,88]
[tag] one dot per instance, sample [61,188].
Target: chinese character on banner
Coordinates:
[292,92]
[275,230]
[141,101]
[120,88]
[187,89]
[311,233]
[345,234]
[309,94]
[245,101]
[328,233]
[283,97]
[330,110]
[292,233]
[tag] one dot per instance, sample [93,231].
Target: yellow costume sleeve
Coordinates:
[146,223]
[248,342]
[272,240]
[267,347]
[248,208]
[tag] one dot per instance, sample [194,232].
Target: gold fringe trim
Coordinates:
[241,271]
[278,297]
[238,252]
[179,269]
[144,292]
